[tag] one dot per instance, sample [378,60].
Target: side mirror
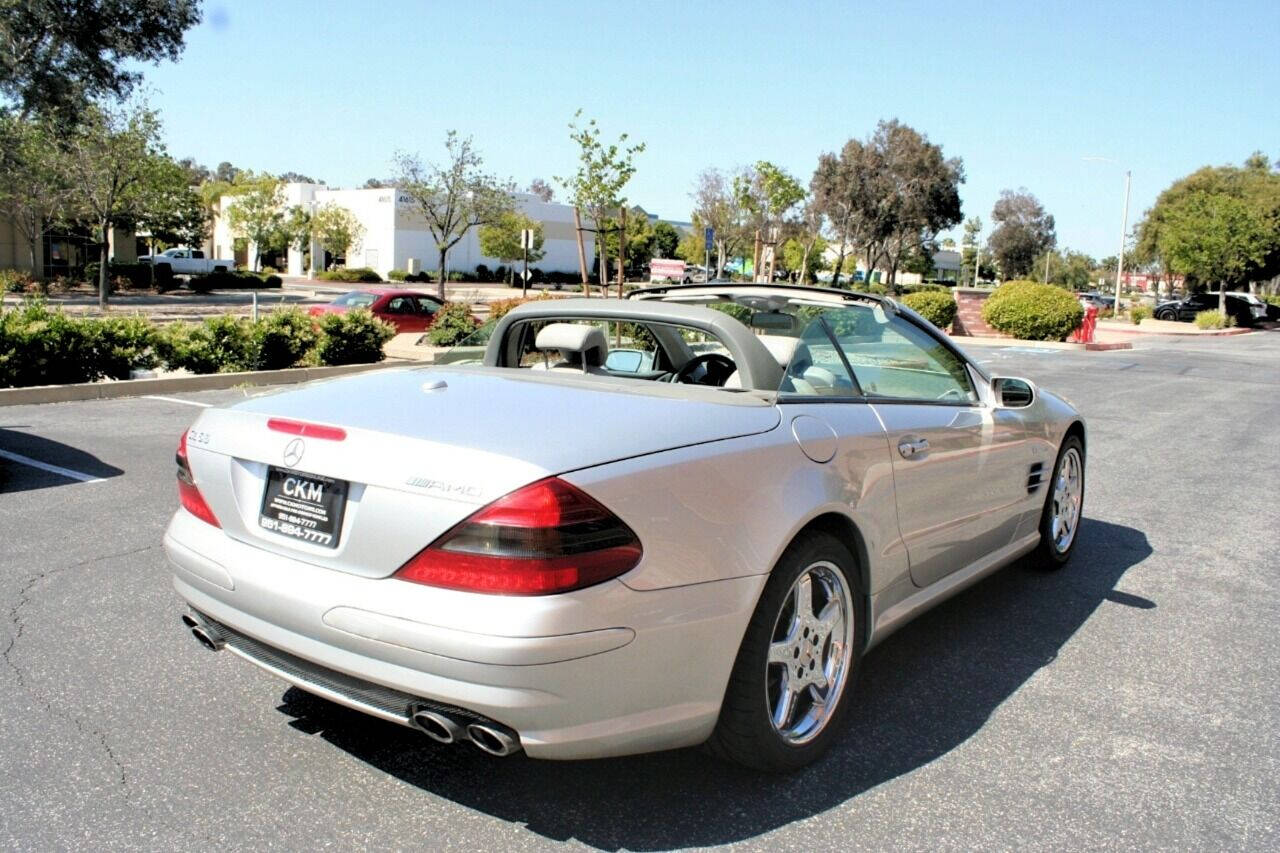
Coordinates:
[1012,393]
[624,360]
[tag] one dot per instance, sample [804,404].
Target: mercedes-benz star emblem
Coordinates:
[293,452]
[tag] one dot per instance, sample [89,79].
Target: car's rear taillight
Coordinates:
[192,501]
[545,538]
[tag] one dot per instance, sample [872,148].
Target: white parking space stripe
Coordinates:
[52,469]
[176,400]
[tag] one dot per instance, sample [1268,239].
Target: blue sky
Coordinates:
[1022,91]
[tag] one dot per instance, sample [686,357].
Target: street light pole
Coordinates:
[1124,227]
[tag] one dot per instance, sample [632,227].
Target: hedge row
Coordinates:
[233,280]
[1033,311]
[353,274]
[39,346]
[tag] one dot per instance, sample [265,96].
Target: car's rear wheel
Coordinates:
[787,695]
[1167,315]
[1063,506]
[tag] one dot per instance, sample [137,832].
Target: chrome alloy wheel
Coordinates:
[1067,491]
[810,653]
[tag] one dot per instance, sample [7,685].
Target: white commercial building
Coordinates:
[396,236]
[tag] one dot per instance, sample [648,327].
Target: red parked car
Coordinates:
[407,310]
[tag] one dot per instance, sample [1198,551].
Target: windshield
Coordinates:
[356,299]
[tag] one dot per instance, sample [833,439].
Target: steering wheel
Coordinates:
[716,368]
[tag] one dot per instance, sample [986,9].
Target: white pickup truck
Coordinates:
[184,261]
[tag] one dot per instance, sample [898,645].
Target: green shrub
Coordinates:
[1270,299]
[453,322]
[361,274]
[12,281]
[483,273]
[353,337]
[123,276]
[936,306]
[1033,311]
[43,347]
[223,344]
[121,344]
[1138,313]
[397,275]
[877,289]
[281,339]
[235,280]
[500,308]
[1214,319]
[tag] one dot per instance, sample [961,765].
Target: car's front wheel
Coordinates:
[1063,506]
[788,692]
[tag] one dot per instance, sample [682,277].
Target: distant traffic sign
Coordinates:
[709,234]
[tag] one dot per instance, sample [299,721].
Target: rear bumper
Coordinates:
[602,671]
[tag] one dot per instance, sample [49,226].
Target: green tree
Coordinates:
[1024,231]
[716,205]
[804,258]
[1214,238]
[501,239]
[665,240]
[33,181]
[257,214]
[768,194]
[336,228]
[922,197]
[55,57]
[597,186]
[175,212]
[1165,242]
[888,196]
[115,162]
[453,197]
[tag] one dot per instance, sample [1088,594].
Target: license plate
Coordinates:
[305,507]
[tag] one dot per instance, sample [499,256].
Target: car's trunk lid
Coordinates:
[425,448]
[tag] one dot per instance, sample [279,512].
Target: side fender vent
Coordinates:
[1035,477]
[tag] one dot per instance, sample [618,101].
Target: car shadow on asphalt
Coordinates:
[21,477]
[922,693]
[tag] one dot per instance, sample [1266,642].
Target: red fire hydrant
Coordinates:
[1088,325]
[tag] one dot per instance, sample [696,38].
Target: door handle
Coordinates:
[911,448]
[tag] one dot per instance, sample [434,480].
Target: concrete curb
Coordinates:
[986,341]
[1119,329]
[176,384]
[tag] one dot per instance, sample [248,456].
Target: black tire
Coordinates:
[1167,315]
[745,733]
[1048,555]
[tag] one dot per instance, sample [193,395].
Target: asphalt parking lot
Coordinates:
[1131,700]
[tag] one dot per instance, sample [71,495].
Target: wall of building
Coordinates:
[395,231]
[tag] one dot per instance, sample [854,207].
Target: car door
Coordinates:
[959,466]
[426,309]
[402,312]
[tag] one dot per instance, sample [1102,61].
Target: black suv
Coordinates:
[1245,308]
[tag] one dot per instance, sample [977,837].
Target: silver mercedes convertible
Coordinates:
[609,526]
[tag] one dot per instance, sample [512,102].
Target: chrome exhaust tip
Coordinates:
[437,726]
[493,740]
[207,635]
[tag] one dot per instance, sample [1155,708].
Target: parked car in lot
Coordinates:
[407,310]
[1245,308]
[550,550]
[184,261]
[1098,300]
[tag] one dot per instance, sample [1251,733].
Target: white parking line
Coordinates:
[176,400]
[52,469]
